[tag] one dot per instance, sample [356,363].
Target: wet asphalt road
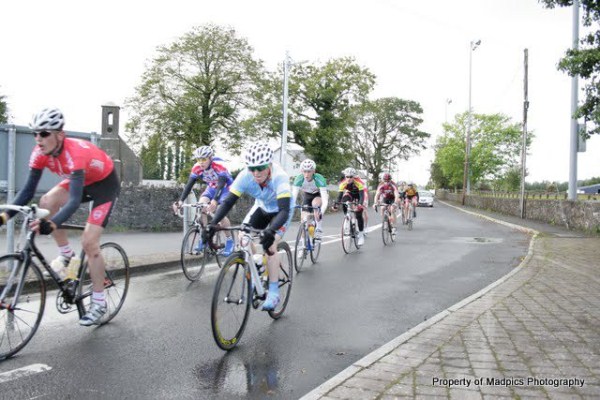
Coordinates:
[161,346]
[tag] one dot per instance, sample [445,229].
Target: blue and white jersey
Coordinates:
[276,187]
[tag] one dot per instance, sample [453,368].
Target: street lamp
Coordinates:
[466,178]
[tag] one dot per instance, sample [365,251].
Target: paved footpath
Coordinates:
[534,334]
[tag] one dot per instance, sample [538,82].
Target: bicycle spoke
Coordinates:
[22,307]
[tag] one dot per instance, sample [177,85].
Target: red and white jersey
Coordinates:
[76,154]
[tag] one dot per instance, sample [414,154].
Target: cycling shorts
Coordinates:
[309,197]
[103,195]
[258,218]
[211,191]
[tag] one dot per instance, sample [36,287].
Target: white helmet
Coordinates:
[50,119]
[349,172]
[203,152]
[308,165]
[258,153]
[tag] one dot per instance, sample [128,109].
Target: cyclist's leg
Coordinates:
[53,200]
[104,195]
[317,202]
[414,203]
[273,263]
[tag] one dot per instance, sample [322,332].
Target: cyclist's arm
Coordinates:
[324,197]
[188,188]
[225,206]
[75,193]
[295,190]
[26,194]
[283,203]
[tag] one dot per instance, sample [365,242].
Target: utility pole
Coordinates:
[574,144]
[286,66]
[524,145]
[467,171]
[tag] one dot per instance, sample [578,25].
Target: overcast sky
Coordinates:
[78,55]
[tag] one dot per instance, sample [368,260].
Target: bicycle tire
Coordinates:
[116,281]
[410,217]
[300,247]
[192,263]
[286,279]
[315,250]
[232,297]
[355,236]
[347,235]
[19,320]
[386,230]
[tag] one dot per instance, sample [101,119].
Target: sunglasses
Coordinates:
[43,134]
[258,168]
[349,177]
[203,159]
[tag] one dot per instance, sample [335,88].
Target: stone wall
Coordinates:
[578,215]
[148,208]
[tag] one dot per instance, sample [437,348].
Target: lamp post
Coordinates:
[466,178]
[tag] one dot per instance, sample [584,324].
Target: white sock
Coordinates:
[66,251]
[319,225]
[99,298]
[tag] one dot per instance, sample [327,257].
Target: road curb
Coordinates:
[387,348]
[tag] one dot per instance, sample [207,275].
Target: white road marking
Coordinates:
[23,372]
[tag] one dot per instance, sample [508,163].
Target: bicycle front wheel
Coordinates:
[386,231]
[231,301]
[315,250]
[116,281]
[22,301]
[347,233]
[300,247]
[286,277]
[192,261]
[409,220]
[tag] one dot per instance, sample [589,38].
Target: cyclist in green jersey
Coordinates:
[314,188]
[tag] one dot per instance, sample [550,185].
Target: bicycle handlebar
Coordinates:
[243,228]
[308,208]
[201,206]
[34,210]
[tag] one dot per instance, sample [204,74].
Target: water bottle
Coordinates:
[73,268]
[311,230]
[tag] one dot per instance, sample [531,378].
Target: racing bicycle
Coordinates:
[387,229]
[23,288]
[242,284]
[306,243]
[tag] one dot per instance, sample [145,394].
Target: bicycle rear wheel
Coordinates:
[386,230]
[231,301]
[286,278]
[347,233]
[116,281]
[21,304]
[300,250]
[409,220]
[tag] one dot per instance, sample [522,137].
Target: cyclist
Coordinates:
[411,195]
[218,180]
[352,190]
[89,175]
[365,203]
[387,193]
[314,187]
[269,185]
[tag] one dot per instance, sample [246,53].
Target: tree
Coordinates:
[3,110]
[495,148]
[386,130]
[197,89]
[320,104]
[150,156]
[585,62]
